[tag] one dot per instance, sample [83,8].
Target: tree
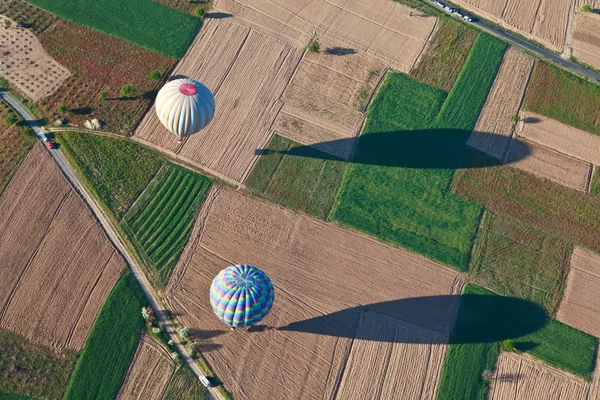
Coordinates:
[314,47]
[183,332]
[128,90]
[154,75]
[102,95]
[586,8]
[12,118]
[516,118]
[508,346]
[61,108]
[7,23]
[200,12]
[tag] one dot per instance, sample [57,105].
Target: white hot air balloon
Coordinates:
[185,106]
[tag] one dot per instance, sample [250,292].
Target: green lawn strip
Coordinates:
[560,95]
[184,385]
[297,176]
[484,319]
[519,261]
[446,55]
[112,342]
[397,186]
[29,369]
[595,184]
[142,22]
[117,171]
[160,222]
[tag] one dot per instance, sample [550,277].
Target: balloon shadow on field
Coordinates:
[429,148]
[480,319]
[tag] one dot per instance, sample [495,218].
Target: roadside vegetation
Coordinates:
[564,97]
[160,222]
[109,349]
[448,50]
[33,370]
[595,183]
[149,24]
[297,176]
[117,171]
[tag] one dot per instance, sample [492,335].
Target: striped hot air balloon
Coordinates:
[241,295]
[185,106]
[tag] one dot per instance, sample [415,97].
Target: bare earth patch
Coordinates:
[520,377]
[560,137]
[326,99]
[58,266]
[494,128]
[580,307]
[149,373]
[329,285]
[26,65]
[586,38]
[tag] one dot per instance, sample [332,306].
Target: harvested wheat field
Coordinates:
[520,377]
[58,266]
[326,279]
[26,65]
[383,29]
[544,21]
[586,38]
[495,126]
[560,137]
[247,72]
[149,373]
[550,164]
[580,306]
[326,99]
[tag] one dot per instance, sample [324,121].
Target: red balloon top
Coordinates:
[187,89]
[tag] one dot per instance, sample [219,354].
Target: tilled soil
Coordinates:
[326,279]
[586,38]
[580,306]
[58,265]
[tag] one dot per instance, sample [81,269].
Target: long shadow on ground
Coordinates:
[428,148]
[491,318]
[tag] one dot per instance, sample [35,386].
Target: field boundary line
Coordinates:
[426,45]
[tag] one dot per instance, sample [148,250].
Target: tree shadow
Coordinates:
[339,51]
[81,110]
[531,120]
[508,378]
[489,318]
[260,328]
[428,148]
[208,347]
[206,334]
[218,15]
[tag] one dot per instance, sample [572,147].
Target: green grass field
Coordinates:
[13,396]
[447,53]
[184,385]
[397,186]
[560,95]
[160,222]
[515,260]
[142,22]
[474,342]
[595,184]
[112,342]
[306,180]
[33,370]
[116,170]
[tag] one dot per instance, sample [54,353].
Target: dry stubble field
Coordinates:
[323,276]
[58,266]
[586,38]
[149,373]
[26,65]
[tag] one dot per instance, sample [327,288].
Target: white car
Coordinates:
[204,380]
[468,18]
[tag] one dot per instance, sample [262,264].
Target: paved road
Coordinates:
[70,174]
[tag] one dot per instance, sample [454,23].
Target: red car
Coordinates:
[50,143]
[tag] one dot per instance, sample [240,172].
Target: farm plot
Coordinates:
[25,64]
[586,38]
[387,31]
[184,385]
[325,100]
[37,218]
[24,13]
[518,377]
[100,65]
[247,71]
[308,335]
[495,126]
[580,307]
[149,373]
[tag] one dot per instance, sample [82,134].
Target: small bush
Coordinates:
[508,346]
[7,23]
[155,75]
[183,332]
[200,12]
[175,356]
[586,8]
[102,95]
[148,314]
[62,108]
[314,47]
[156,330]
[12,118]
[487,375]
[4,84]
[516,118]
[128,90]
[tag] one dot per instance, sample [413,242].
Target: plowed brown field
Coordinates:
[326,98]
[519,377]
[386,30]
[494,127]
[149,373]
[560,137]
[247,72]
[580,306]
[323,277]
[58,266]
[586,38]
